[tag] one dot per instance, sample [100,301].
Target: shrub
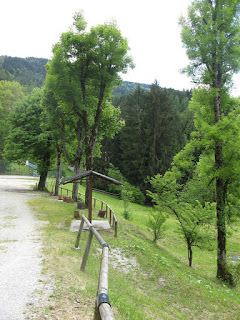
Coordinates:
[155,224]
[126,196]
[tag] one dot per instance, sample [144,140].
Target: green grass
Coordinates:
[159,286]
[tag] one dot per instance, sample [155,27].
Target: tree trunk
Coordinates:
[75,184]
[190,254]
[77,162]
[42,181]
[221,229]
[44,168]
[89,166]
[89,147]
[220,201]
[58,173]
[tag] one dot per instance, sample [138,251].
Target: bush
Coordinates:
[136,194]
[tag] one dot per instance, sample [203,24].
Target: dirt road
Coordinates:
[20,249]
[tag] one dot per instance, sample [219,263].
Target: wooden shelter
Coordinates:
[89,175]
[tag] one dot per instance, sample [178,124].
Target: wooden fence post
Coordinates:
[85,256]
[113,223]
[79,233]
[116,229]
[110,217]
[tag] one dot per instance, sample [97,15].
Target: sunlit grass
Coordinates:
[159,286]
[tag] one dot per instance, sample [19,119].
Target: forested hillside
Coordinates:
[29,72]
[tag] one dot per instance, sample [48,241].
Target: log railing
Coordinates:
[103,303]
[112,216]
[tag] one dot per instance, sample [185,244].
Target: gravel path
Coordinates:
[20,249]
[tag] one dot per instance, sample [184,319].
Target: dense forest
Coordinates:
[158,124]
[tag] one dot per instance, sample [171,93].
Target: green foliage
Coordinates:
[10,94]
[137,194]
[29,72]
[84,69]
[155,224]
[193,217]
[126,196]
[234,270]
[210,35]
[27,139]
[152,135]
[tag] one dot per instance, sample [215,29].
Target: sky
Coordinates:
[30,28]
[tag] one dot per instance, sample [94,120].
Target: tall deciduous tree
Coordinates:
[27,139]
[89,64]
[211,35]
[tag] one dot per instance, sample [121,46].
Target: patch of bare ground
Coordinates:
[120,261]
[61,305]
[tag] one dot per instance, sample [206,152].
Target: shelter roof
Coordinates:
[87,174]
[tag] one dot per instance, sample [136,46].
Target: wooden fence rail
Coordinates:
[112,216]
[103,303]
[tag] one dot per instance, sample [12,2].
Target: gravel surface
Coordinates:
[20,250]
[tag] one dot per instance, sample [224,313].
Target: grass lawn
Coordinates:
[146,280]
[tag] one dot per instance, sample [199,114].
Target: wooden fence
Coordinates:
[103,205]
[103,303]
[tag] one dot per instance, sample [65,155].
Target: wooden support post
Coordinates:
[101,205]
[85,256]
[116,229]
[110,217]
[90,200]
[79,233]
[106,211]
